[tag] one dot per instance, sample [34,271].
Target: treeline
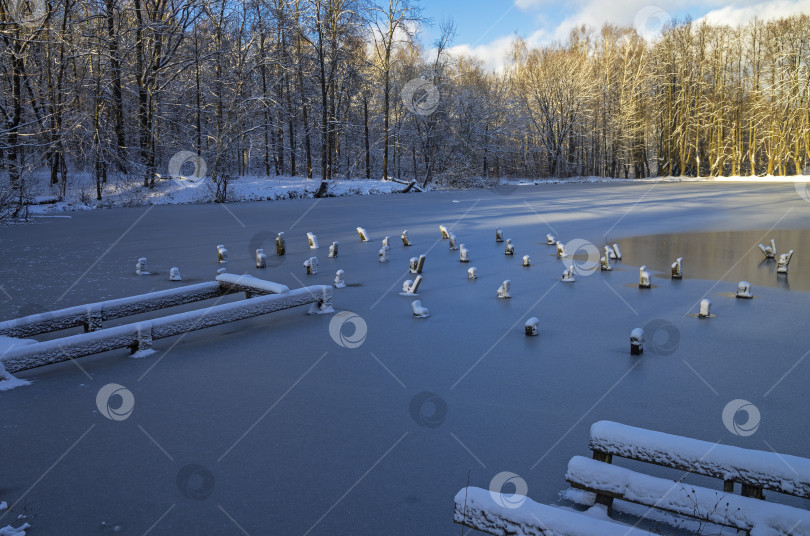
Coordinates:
[314,88]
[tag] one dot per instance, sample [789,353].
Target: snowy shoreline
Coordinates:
[80,196]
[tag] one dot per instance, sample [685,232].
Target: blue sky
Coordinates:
[485,27]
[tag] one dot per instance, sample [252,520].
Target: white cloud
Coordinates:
[734,15]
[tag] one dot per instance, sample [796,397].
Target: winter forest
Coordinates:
[320,89]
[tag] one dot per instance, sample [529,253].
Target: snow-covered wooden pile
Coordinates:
[753,470]
[266,297]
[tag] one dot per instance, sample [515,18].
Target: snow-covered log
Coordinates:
[677,268]
[311,265]
[568,275]
[715,506]
[419,311]
[250,285]
[637,341]
[784,261]
[363,234]
[498,235]
[604,262]
[140,267]
[416,265]
[643,277]
[340,281]
[463,254]
[333,250]
[755,468]
[222,254]
[472,273]
[495,513]
[444,231]
[129,335]
[616,253]
[770,250]
[174,274]
[406,241]
[505,289]
[705,310]
[83,315]
[744,290]
[313,240]
[532,326]
[281,245]
[410,287]
[509,249]
[261,259]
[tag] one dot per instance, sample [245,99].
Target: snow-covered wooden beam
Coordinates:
[493,513]
[138,336]
[715,506]
[91,314]
[250,285]
[754,468]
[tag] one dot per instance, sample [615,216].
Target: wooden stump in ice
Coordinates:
[363,235]
[386,243]
[340,281]
[411,287]
[498,235]
[281,245]
[174,274]
[604,262]
[140,267]
[311,265]
[405,240]
[568,275]
[452,243]
[383,254]
[261,259]
[643,277]
[222,254]
[472,273]
[677,268]
[324,304]
[532,327]
[550,240]
[504,289]
[637,341]
[333,249]
[313,241]
[527,261]
[463,254]
[418,310]
[615,252]
[416,265]
[705,310]
[561,250]
[770,250]
[444,231]
[510,249]
[784,261]
[744,290]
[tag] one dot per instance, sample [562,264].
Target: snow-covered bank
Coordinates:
[80,194]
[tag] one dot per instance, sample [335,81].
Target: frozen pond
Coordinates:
[268,426]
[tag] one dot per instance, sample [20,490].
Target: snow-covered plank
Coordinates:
[478,509]
[252,285]
[719,507]
[756,468]
[80,315]
[129,335]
